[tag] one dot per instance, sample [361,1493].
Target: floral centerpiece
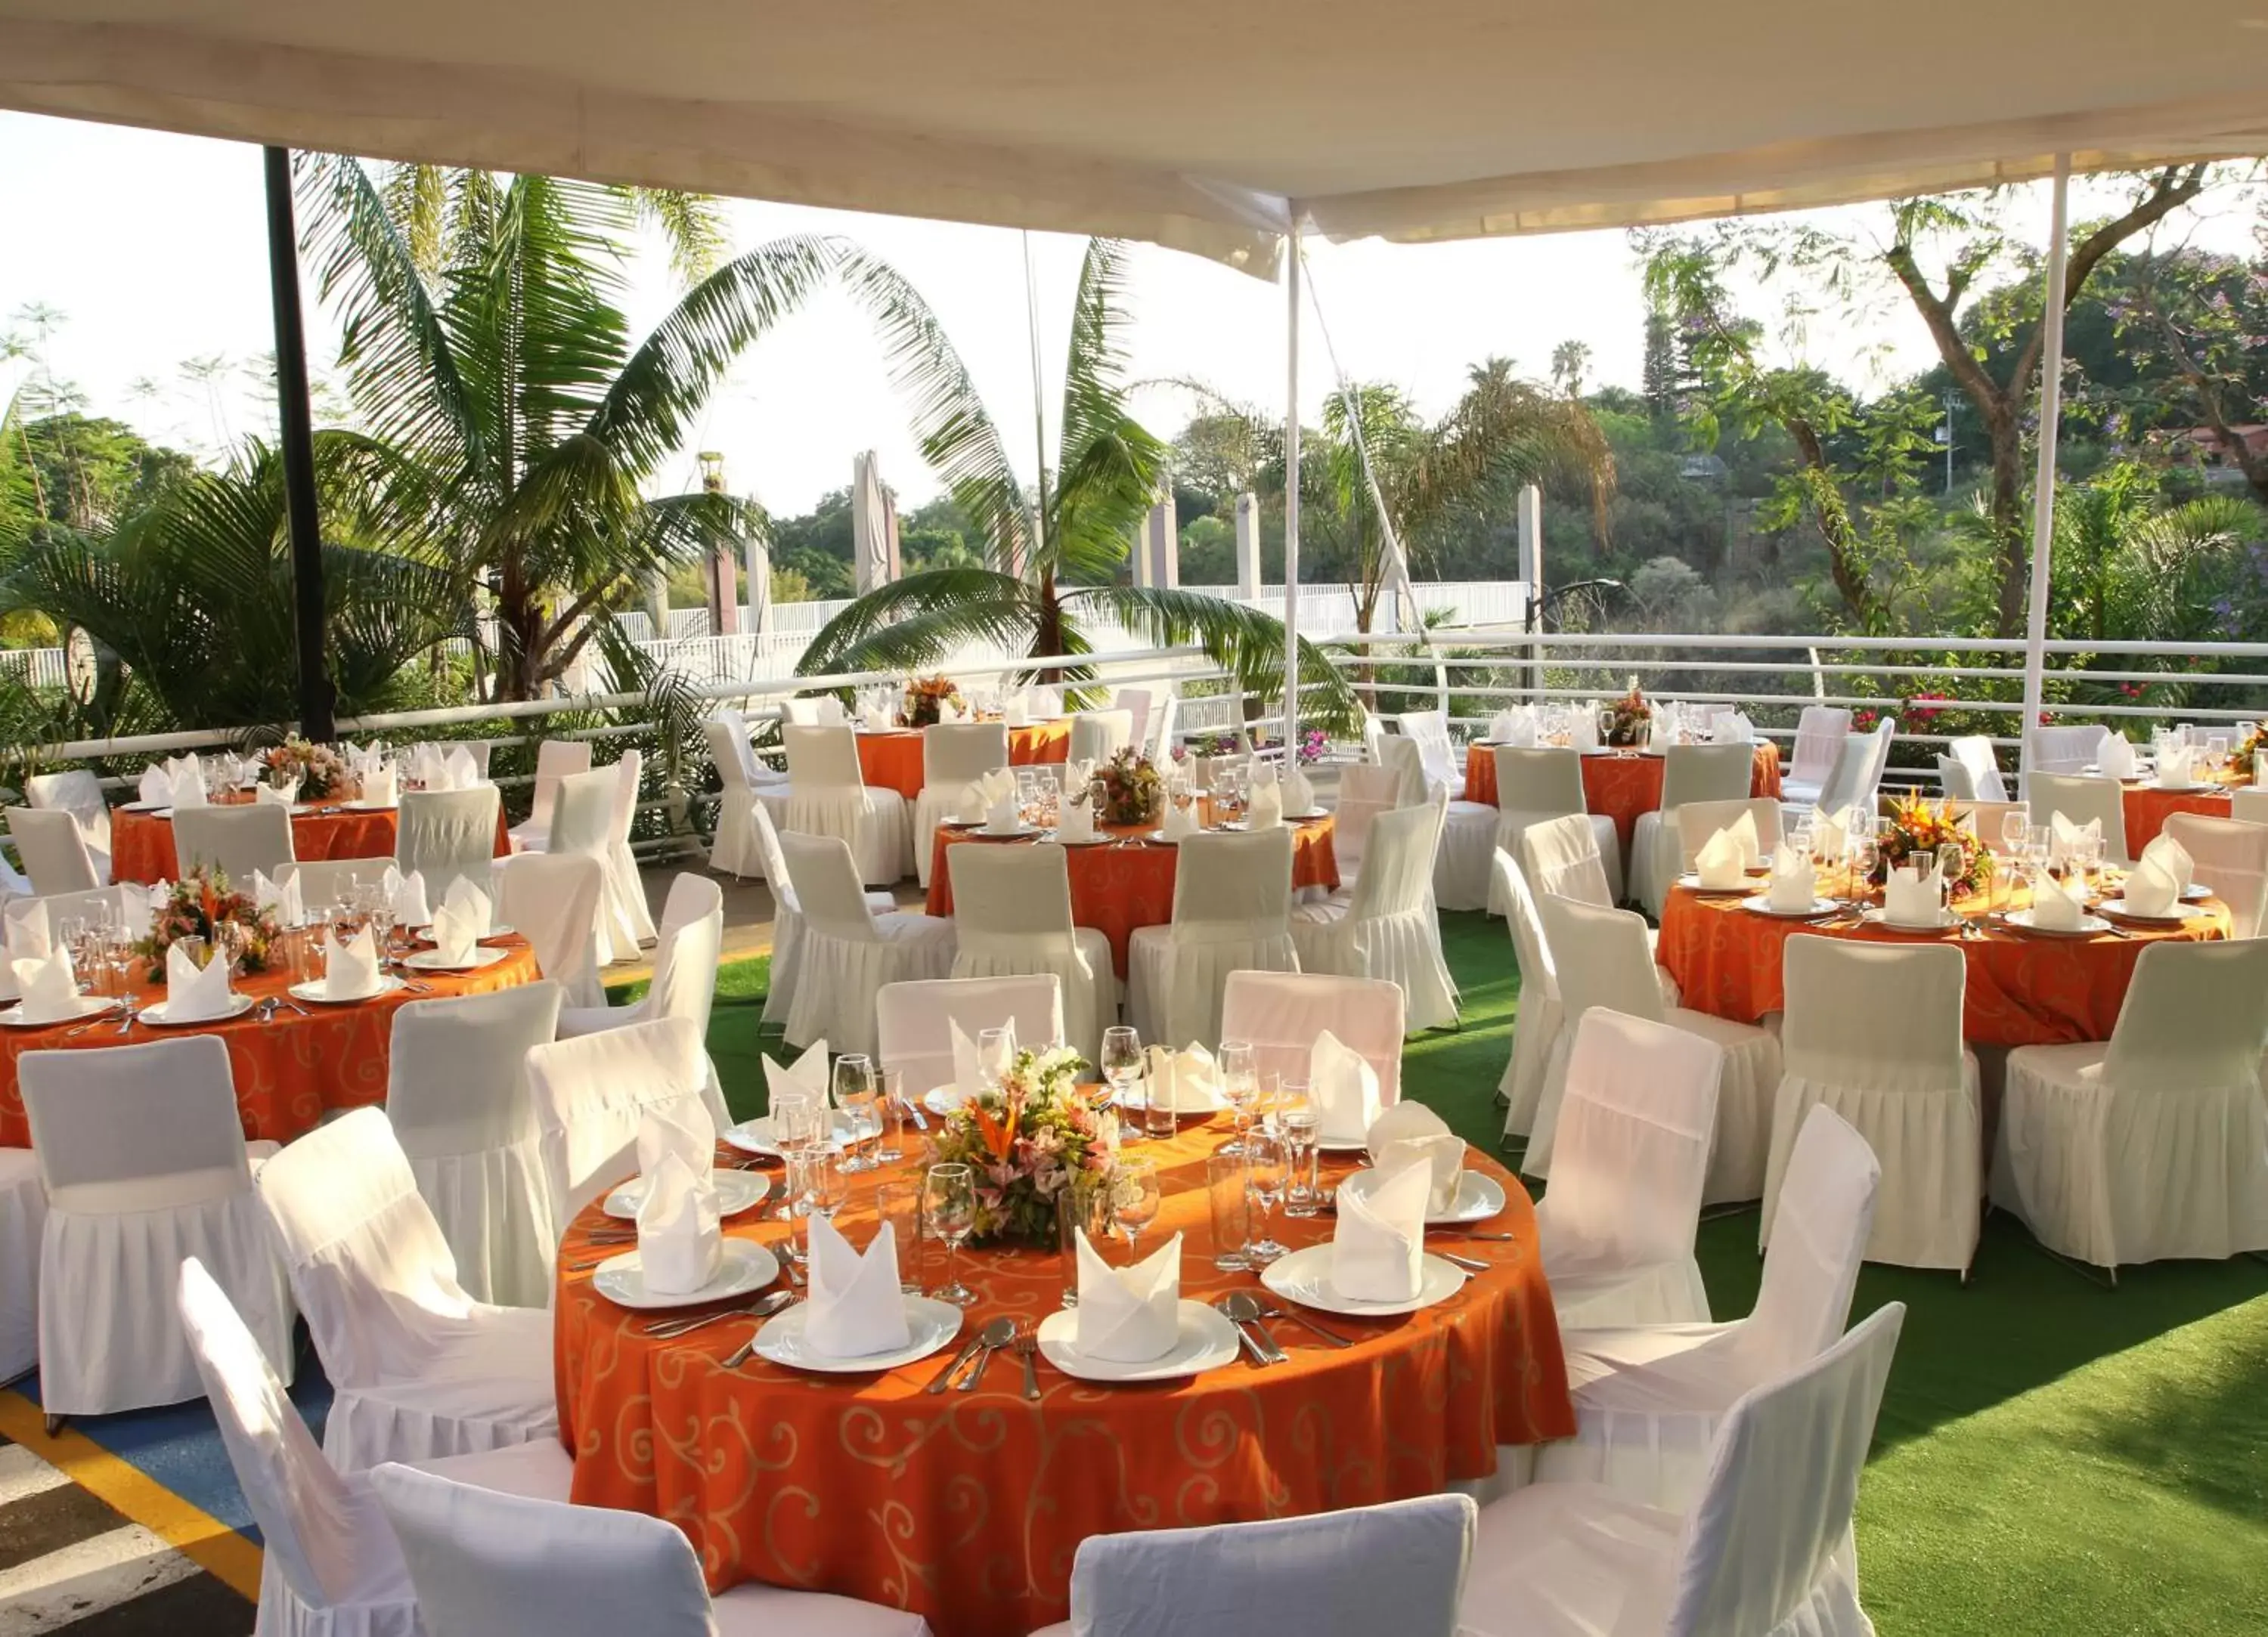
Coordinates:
[1314,744]
[198,904]
[926,698]
[1629,717]
[1132,791]
[1916,828]
[2255,742]
[1026,1141]
[320,770]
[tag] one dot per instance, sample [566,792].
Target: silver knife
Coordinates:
[966,1348]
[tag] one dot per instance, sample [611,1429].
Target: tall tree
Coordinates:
[2200,323]
[1659,382]
[1569,360]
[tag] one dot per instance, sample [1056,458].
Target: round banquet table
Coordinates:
[892,758]
[2148,807]
[290,1071]
[1621,784]
[967,1508]
[1129,883]
[142,844]
[2023,990]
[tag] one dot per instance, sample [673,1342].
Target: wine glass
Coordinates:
[823,1194]
[992,1055]
[1240,1083]
[854,1095]
[949,1205]
[2015,830]
[1266,1170]
[1950,860]
[1134,1199]
[1865,856]
[1122,1066]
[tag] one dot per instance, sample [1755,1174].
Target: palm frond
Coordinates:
[1243,641]
[983,605]
[692,222]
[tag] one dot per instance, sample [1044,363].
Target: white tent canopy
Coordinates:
[1195,125]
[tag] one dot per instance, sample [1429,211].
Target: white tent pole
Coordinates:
[1291,496]
[2051,305]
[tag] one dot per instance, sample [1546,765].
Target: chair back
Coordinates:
[552,900]
[1705,773]
[1631,1157]
[826,886]
[729,750]
[238,838]
[1099,735]
[822,758]
[1819,734]
[1955,779]
[1397,1567]
[457,1069]
[62,906]
[2082,797]
[2248,806]
[685,957]
[583,812]
[1282,1012]
[2231,857]
[1401,753]
[2196,1015]
[591,1093]
[1774,1515]
[1840,789]
[1397,864]
[1879,1016]
[775,860]
[911,1020]
[628,768]
[1984,820]
[324,881]
[76,791]
[1820,1226]
[1601,958]
[1698,821]
[449,836]
[54,851]
[1560,856]
[1545,782]
[2066,749]
[1162,743]
[1976,757]
[1365,790]
[954,753]
[1538,976]
[556,760]
[1429,730]
[1021,893]
[1135,701]
[1234,886]
[135,1128]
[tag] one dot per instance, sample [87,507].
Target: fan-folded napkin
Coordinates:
[193,994]
[1911,896]
[2175,767]
[1187,1082]
[1075,819]
[472,905]
[1299,794]
[2116,756]
[1378,1246]
[682,1131]
[680,1243]
[49,985]
[285,898]
[805,1078]
[1722,863]
[2056,908]
[2159,878]
[31,936]
[2064,835]
[856,1306]
[1267,809]
[350,969]
[1410,1134]
[277,796]
[157,787]
[406,894]
[1130,1314]
[188,781]
[1830,833]
[382,785]
[1794,883]
[1180,822]
[1343,1088]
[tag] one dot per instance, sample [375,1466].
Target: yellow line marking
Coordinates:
[198,1536]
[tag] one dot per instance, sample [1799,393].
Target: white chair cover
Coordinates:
[685,956]
[1984,820]
[143,1160]
[1602,958]
[955,755]
[1281,1013]
[1135,701]
[2248,806]
[1387,928]
[417,1368]
[1099,735]
[1538,1016]
[582,826]
[733,849]
[2066,749]
[1011,915]
[1560,857]
[1365,790]
[1764,1552]
[1535,783]
[1955,779]
[238,838]
[2231,858]
[1649,1398]
[1690,773]
[2155,1145]
[325,881]
[629,922]
[827,797]
[1819,734]
[1873,1030]
[1400,752]
[1361,1572]
[449,836]
[1618,1227]
[54,852]
[486,1564]
[1163,740]
[787,920]
[552,900]
[61,907]
[846,952]
[23,1223]
[457,1093]
[1698,821]
[1976,757]
[591,1094]
[2082,798]
[555,760]
[1231,909]
[912,1021]
[77,791]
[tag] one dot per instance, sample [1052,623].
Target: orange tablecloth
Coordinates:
[2022,990]
[288,1071]
[2148,807]
[1622,787]
[142,844]
[893,760]
[968,1508]
[1118,888]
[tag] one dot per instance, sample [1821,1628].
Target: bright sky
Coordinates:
[153,249]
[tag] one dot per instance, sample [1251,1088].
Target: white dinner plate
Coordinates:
[360,806]
[1307,817]
[89,1006]
[497,929]
[746,1266]
[318,990]
[1194,1107]
[1762,905]
[2117,909]
[1305,1277]
[1204,1341]
[1163,839]
[1946,922]
[932,1322]
[156,1018]
[1479,1196]
[2023,921]
[430,960]
[736,1191]
[142,807]
[1057,836]
[1691,882]
[986,833]
[755,1136]
[1344,1145]
[942,1100]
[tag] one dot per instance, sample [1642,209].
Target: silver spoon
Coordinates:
[1243,1312]
[996,1335]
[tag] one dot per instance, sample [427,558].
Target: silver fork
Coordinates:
[1028,1346]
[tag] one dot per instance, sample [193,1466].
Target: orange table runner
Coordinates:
[289,1071]
[142,844]
[967,1508]
[2022,990]
[893,760]
[1129,885]
[1623,786]
[2147,808]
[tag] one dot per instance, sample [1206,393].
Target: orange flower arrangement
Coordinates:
[1916,828]
[1026,1141]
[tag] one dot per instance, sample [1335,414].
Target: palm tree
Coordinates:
[1569,360]
[1055,552]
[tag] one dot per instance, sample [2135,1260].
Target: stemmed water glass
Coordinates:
[949,1207]
[1266,1172]
[854,1095]
[1240,1083]
[1122,1066]
[891,1105]
[1134,1199]
[993,1057]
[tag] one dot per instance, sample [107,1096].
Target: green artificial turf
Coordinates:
[2053,1457]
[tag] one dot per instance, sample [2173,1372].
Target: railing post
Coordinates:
[2036,624]
[1291,484]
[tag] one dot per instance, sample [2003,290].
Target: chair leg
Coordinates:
[1713,1213]
[2107,1278]
[55,1424]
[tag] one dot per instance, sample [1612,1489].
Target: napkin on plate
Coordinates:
[1722,865]
[1661,731]
[1794,883]
[1410,1134]
[2064,835]
[1075,820]
[1191,1080]
[1179,822]
[1005,816]
[382,785]
[682,1131]
[1583,730]
[457,931]
[2055,908]
[806,1076]
[2174,771]
[1015,712]
[680,1244]
[268,795]
[1344,1088]
[189,781]
[157,787]
[193,996]
[1379,1244]
[286,899]
[1298,793]
[472,905]
[2116,756]
[2151,889]
[350,969]
[407,893]
[1130,1314]
[856,1306]
[463,772]
[875,719]
[1911,896]
[2172,857]
[31,937]
[1267,809]
[1830,833]
[49,985]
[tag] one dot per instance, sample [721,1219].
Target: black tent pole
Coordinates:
[316,696]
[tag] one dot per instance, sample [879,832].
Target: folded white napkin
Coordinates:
[1379,1244]
[189,781]
[829,711]
[1187,1082]
[1130,1314]
[2175,767]
[683,1132]
[1410,1134]
[457,932]
[1004,816]
[2056,908]
[268,794]
[229,766]
[1075,821]
[806,1076]
[1911,896]
[1267,809]
[1794,883]
[1721,865]
[463,772]
[875,719]
[157,787]
[1046,702]
[2116,756]
[2167,862]
[1298,793]
[382,785]
[350,969]
[1583,730]
[407,893]
[1830,833]
[1661,731]
[1179,822]
[287,901]
[471,904]
[49,985]
[680,1244]
[855,1308]
[1343,1088]
[192,996]
[31,936]
[2064,836]
[1016,713]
